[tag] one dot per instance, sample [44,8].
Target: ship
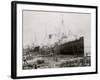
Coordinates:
[64,45]
[65,51]
[67,46]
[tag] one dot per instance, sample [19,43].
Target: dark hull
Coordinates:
[75,47]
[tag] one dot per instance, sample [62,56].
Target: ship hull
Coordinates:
[75,47]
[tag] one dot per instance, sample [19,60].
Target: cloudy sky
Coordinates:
[36,24]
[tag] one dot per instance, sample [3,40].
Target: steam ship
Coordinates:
[66,45]
[59,53]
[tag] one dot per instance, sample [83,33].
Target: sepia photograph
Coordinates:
[51,39]
[56,39]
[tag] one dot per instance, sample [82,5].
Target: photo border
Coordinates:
[14,38]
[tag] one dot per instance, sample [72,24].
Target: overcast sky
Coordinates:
[37,23]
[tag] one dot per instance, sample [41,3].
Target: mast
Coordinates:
[63,33]
[69,31]
[34,38]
